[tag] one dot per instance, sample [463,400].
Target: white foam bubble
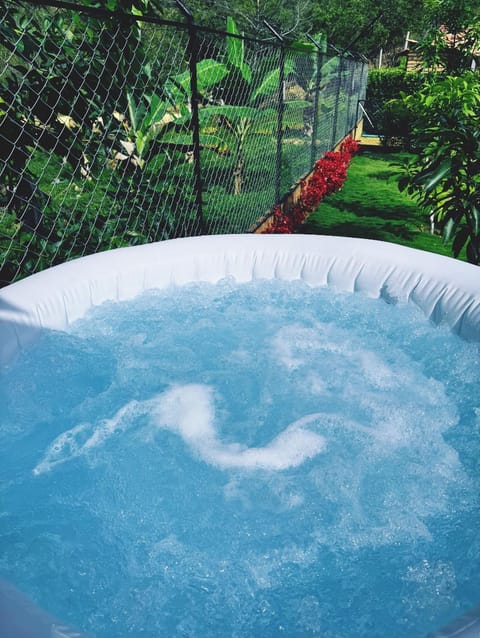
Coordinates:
[293,344]
[189,411]
[289,449]
[376,371]
[65,447]
[107,427]
[83,437]
[296,346]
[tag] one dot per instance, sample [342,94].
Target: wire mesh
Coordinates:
[100,146]
[238,133]
[298,116]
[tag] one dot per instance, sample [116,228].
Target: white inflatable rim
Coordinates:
[447,290]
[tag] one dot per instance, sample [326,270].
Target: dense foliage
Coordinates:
[445,176]
[97,122]
[70,110]
[453,35]
[364,25]
[369,25]
[391,114]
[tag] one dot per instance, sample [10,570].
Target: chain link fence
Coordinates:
[122,129]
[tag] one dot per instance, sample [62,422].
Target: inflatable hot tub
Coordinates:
[445,289]
[447,292]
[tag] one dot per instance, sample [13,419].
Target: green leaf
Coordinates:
[230,112]
[321,40]
[438,175]
[159,162]
[235,50]
[473,253]
[449,229]
[158,109]
[141,142]
[301,46]
[185,139]
[133,112]
[476,219]
[184,113]
[270,83]
[460,240]
[147,69]
[296,105]
[246,72]
[209,73]
[329,69]
[177,93]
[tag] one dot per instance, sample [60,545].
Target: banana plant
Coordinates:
[236,51]
[239,122]
[156,119]
[248,116]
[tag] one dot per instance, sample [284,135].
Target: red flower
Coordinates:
[327,177]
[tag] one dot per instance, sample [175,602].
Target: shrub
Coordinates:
[327,177]
[385,102]
[445,177]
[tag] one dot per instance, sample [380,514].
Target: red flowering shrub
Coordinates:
[281,223]
[327,177]
[350,146]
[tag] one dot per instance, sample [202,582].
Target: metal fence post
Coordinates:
[350,87]
[281,89]
[361,97]
[316,98]
[334,139]
[193,59]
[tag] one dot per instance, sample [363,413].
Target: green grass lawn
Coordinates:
[370,205]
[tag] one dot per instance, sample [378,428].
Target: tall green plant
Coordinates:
[151,156]
[445,177]
[249,109]
[156,121]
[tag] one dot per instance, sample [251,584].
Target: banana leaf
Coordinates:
[236,51]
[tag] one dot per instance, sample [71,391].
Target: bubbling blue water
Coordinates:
[262,459]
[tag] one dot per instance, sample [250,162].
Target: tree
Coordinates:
[78,92]
[289,18]
[343,25]
[249,101]
[37,96]
[452,39]
[445,177]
